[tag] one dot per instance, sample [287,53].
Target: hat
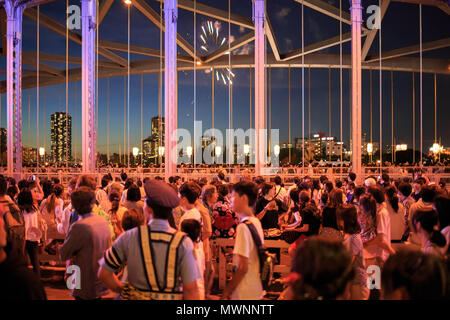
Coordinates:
[160,193]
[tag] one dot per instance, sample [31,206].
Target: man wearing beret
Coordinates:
[160,260]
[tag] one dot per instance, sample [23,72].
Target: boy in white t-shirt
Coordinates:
[246,282]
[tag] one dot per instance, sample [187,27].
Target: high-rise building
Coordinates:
[150,145]
[61,137]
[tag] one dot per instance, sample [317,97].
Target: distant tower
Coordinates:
[61,137]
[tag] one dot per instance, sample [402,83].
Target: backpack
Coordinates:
[267,260]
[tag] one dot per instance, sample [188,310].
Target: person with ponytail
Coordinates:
[321,270]
[397,213]
[51,209]
[426,225]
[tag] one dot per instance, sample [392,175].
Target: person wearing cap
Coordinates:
[160,261]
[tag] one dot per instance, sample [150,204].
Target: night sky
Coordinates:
[400,28]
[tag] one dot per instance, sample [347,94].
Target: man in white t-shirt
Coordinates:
[246,282]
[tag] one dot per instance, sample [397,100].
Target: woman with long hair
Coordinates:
[51,210]
[397,213]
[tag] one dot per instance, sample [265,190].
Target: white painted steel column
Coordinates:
[14,86]
[88,10]
[356,13]
[170,88]
[259,19]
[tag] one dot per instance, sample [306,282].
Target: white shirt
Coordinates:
[250,287]
[383,227]
[191,214]
[31,220]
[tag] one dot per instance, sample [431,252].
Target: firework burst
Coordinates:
[211,39]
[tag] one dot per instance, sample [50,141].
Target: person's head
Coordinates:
[338,183]
[12,192]
[25,200]
[316,184]
[336,198]
[3,185]
[413,275]
[304,197]
[192,228]
[244,196]
[351,177]
[114,198]
[132,218]
[370,182]
[83,200]
[222,190]
[123,176]
[385,178]
[426,223]
[428,193]
[86,181]
[368,205]
[128,183]
[323,179]
[268,190]
[377,192]
[189,193]
[161,199]
[209,194]
[221,176]
[329,186]
[351,187]
[324,270]
[294,194]
[324,199]
[391,196]
[442,207]
[105,181]
[359,191]
[133,193]
[329,218]
[278,181]
[22,184]
[349,219]
[404,190]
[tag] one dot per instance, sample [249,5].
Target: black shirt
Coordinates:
[270,219]
[17,281]
[312,221]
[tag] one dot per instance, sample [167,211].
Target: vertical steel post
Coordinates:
[14,85]
[259,19]
[356,13]
[88,9]
[170,87]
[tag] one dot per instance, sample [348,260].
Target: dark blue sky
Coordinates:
[400,28]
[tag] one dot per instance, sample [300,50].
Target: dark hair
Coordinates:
[247,188]
[323,179]
[3,185]
[294,194]
[22,184]
[422,275]
[192,227]
[128,183]
[405,189]
[304,197]
[105,181]
[259,180]
[25,200]
[316,184]
[160,212]
[207,192]
[266,187]
[336,198]
[133,193]
[377,192]
[352,176]
[12,192]
[429,220]
[391,194]
[83,200]
[277,180]
[324,197]
[123,176]
[359,191]
[87,181]
[385,177]
[139,183]
[329,218]
[57,191]
[222,190]
[428,193]
[338,183]
[329,186]
[191,191]
[221,176]
[324,268]
[114,196]
[442,206]
[368,204]
[132,218]
[349,216]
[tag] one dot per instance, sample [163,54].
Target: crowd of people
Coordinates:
[153,239]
